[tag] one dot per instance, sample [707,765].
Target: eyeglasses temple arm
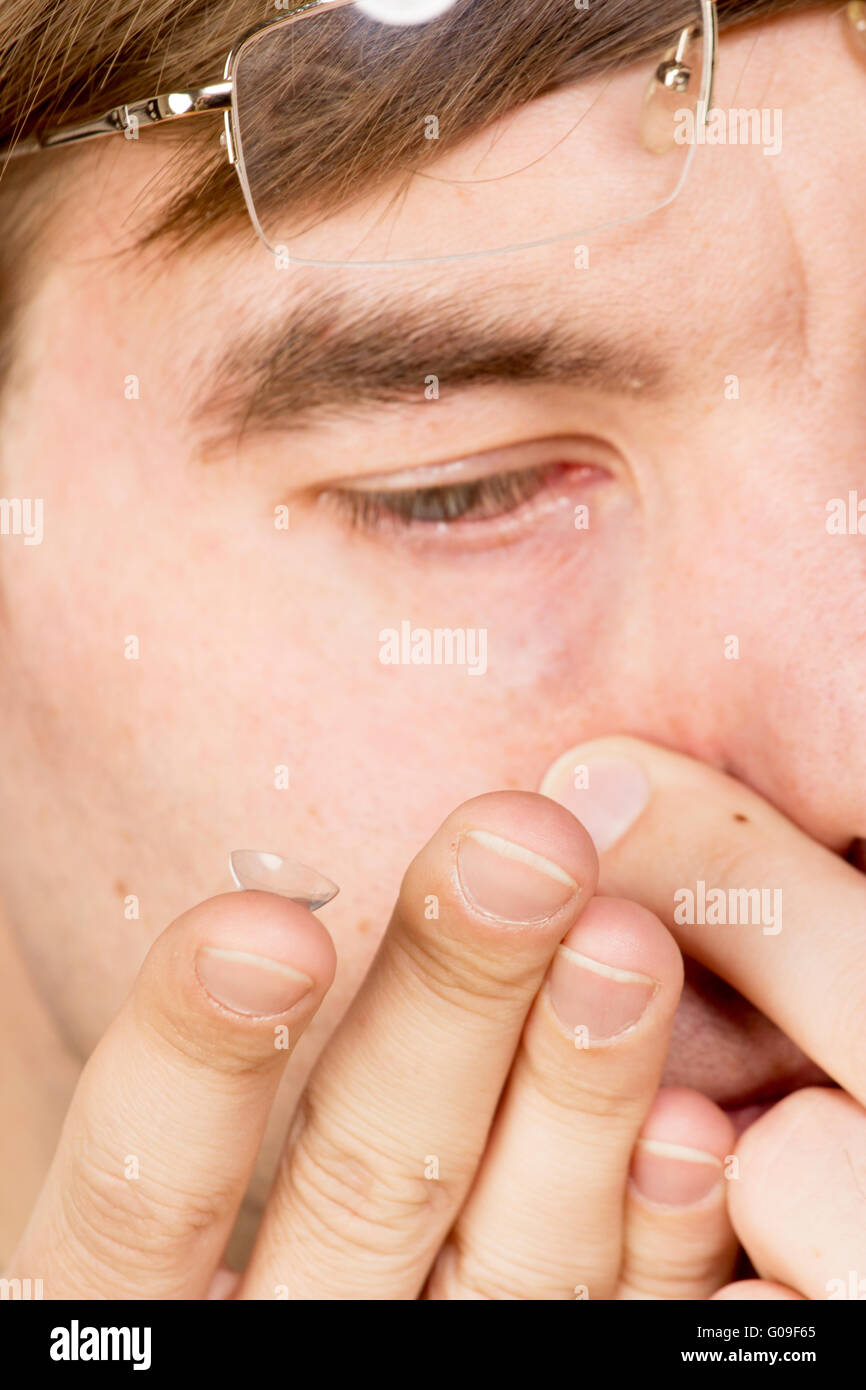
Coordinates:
[171,106]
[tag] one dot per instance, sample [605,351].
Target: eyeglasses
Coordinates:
[314,91]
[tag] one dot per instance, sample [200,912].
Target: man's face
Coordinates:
[697,387]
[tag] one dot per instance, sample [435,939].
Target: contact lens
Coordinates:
[270,873]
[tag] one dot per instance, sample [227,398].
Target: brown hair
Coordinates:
[75,60]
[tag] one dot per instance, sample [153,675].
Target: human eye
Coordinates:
[501,492]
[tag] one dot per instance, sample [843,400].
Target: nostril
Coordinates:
[856,854]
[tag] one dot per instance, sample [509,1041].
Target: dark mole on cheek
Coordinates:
[121,889]
[738,816]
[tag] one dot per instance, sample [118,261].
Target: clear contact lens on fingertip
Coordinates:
[270,873]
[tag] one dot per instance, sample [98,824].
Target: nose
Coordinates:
[746,705]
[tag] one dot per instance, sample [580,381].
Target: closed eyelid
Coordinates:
[509,500]
[483,499]
[574,451]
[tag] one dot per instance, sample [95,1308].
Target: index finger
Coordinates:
[744,891]
[396,1114]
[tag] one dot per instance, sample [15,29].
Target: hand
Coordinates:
[453,1141]
[667,823]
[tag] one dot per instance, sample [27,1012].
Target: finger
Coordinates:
[753,1290]
[163,1130]
[679,1243]
[544,1218]
[798,1204]
[224,1285]
[396,1115]
[675,832]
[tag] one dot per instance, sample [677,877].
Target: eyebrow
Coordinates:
[339,355]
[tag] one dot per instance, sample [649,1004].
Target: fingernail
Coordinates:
[596,1002]
[509,881]
[607,795]
[672,1174]
[250,984]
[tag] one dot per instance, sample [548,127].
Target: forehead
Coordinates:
[655,274]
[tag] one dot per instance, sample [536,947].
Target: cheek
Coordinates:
[758,611]
[192,680]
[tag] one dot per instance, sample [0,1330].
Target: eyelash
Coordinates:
[482,499]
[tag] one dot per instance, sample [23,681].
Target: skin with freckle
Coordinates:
[259,646]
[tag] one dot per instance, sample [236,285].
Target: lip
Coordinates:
[742,1116]
[726,1048]
[770,1092]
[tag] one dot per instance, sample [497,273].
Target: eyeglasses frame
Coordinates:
[129,118]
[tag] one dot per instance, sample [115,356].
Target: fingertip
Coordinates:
[753,1290]
[503,860]
[266,925]
[538,824]
[683,1116]
[679,1158]
[254,954]
[622,934]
